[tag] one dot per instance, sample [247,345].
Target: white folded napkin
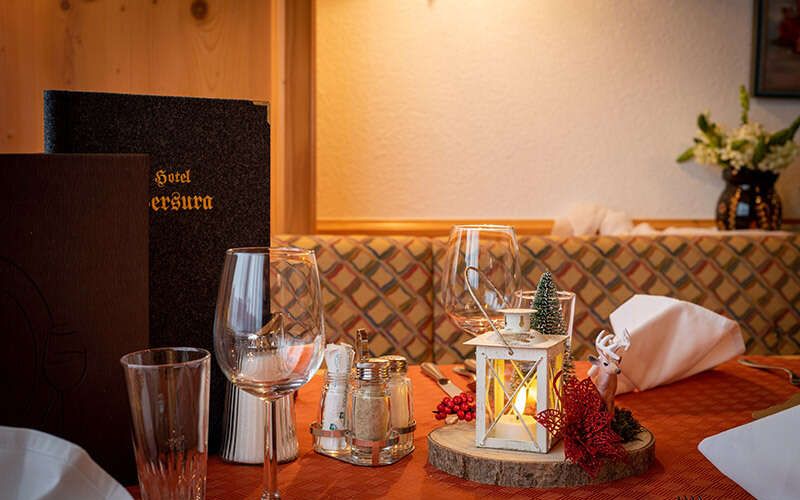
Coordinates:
[670,340]
[762,457]
[589,219]
[36,465]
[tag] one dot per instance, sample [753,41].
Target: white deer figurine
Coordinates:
[605,367]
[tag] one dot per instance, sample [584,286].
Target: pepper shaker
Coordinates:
[369,414]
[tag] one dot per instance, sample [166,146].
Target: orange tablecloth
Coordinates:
[680,415]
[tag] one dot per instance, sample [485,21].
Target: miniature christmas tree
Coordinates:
[548,318]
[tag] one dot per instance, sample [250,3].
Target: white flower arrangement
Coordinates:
[745,147]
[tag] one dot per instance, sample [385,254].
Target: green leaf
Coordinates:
[782,136]
[709,129]
[760,151]
[795,125]
[686,155]
[744,100]
[702,123]
[738,145]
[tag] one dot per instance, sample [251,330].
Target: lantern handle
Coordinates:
[471,291]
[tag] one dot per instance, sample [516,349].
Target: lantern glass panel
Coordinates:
[555,365]
[511,395]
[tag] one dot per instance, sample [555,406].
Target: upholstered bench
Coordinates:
[391,285]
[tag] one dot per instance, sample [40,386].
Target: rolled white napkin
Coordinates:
[37,465]
[616,222]
[643,228]
[761,456]
[670,340]
[562,227]
[589,219]
[586,218]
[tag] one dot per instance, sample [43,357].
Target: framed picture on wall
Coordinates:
[776,61]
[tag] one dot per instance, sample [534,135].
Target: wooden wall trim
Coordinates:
[276,111]
[442,227]
[421,227]
[293,189]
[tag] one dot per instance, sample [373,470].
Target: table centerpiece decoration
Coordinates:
[536,425]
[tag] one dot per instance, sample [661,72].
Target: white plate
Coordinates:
[35,465]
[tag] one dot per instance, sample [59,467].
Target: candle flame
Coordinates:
[520,400]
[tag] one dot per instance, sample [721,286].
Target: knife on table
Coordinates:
[443,382]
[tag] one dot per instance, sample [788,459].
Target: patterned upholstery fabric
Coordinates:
[392,285]
[378,283]
[753,280]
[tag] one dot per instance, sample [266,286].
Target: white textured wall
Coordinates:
[426,108]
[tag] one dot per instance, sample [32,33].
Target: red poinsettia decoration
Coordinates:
[585,425]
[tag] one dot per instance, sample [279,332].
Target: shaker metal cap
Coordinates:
[397,363]
[373,369]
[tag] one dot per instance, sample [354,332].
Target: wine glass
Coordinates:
[269,333]
[490,256]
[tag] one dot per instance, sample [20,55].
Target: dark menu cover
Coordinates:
[209,191]
[73,297]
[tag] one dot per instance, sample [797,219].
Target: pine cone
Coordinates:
[625,424]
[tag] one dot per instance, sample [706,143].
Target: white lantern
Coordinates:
[515,381]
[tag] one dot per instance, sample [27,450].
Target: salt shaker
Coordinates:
[331,439]
[402,405]
[369,414]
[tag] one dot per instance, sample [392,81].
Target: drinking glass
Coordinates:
[269,332]
[494,252]
[168,396]
[566,300]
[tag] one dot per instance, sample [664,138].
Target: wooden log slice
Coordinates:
[451,448]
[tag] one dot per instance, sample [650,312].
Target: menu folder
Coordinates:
[209,191]
[73,297]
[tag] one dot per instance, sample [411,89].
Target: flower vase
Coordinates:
[749,201]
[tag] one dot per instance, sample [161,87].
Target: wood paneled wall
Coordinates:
[205,48]
[299,209]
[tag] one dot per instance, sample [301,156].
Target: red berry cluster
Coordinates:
[462,405]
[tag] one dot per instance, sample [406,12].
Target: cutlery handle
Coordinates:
[432,371]
[747,362]
[465,373]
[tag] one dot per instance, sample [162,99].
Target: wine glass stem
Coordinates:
[270,452]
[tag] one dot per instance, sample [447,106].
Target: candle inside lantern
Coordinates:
[510,426]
